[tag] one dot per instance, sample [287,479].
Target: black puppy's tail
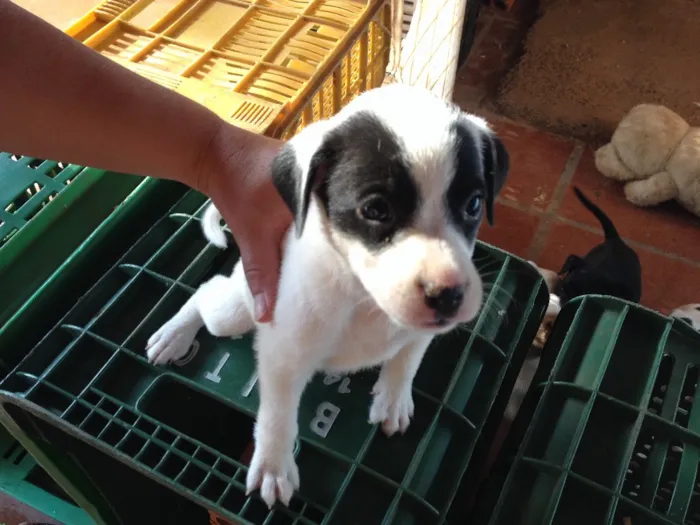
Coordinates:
[608,227]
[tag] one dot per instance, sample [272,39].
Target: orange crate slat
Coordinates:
[222,71]
[272,66]
[158,15]
[170,57]
[257,35]
[124,42]
[290,6]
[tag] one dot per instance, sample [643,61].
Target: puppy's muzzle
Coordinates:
[444,300]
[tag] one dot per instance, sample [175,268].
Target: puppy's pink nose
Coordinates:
[445,300]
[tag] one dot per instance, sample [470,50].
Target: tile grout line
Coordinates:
[632,243]
[545,226]
[593,229]
[520,206]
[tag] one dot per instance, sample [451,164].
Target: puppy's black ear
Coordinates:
[496,165]
[296,177]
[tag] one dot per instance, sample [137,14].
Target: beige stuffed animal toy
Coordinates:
[657,154]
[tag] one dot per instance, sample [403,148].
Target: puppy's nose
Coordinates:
[444,300]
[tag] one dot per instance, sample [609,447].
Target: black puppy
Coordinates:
[611,268]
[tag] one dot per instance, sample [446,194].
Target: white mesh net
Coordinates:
[428,34]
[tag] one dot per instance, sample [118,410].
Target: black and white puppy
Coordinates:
[610,268]
[387,198]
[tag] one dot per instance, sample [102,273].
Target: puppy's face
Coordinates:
[404,181]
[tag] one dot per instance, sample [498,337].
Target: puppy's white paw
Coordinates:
[170,343]
[276,474]
[393,408]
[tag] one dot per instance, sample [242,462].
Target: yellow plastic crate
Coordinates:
[270,66]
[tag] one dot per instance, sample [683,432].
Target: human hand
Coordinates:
[125,123]
[237,178]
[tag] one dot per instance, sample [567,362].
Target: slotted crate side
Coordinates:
[89,468]
[39,280]
[34,194]
[28,186]
[609,434]
[98,218]
[259,64]
[189,426]
[47,209]
[23,479]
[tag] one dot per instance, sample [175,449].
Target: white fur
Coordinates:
[690,313]
[211,225]
[341,308]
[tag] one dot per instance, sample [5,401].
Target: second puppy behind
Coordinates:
[610,268]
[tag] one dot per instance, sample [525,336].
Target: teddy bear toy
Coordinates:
[657,155]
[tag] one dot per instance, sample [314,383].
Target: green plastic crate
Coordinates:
[610,435]
[24,480]
[67,276]
[27,186]
[88,385]
[46,210]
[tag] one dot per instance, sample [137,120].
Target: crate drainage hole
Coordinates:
[690,385]
[658,393]
[637,467]
[669,475]
[24,196]
[41,206]
[14,446]
[198,416]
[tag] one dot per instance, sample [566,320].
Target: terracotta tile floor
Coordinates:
[539,218]
[12,512]
[537,215]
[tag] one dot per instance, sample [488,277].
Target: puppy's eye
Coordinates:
[472,209]
[376,209]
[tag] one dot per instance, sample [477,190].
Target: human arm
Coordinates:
[61,100]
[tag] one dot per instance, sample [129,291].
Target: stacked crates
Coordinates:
[88,387]
[609,433]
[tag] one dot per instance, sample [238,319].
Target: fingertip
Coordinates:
[263,307]
[262,275]
[261,310]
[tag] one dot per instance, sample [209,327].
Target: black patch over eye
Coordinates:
[369,192]
[376,209]
[472,208]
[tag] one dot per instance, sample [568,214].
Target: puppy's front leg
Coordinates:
[393,398]
[172,340]
[281,382]
[219,304]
